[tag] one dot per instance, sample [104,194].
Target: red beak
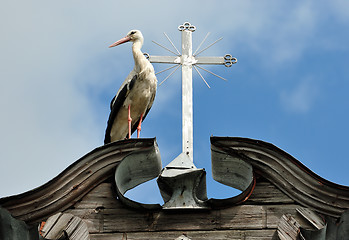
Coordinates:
[121,41]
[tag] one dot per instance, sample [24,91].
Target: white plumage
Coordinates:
[135,96]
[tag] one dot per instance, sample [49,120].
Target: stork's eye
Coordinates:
[133,32]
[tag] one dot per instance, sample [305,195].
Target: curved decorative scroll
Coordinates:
[135,169]
[287,173]
[73,183]
[232,172]
[140,167]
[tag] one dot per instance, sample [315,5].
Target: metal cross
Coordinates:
[188,60]
[181,184]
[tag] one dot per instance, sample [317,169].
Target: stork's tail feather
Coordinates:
[106,139]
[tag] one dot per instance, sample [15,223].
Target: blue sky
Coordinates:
[58,76]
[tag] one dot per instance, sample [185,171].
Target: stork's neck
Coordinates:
[139,58]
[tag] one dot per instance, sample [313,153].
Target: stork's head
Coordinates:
[133,36]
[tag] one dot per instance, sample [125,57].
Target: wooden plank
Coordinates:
[275,212]
[288,228]
[265,192]
[193,235]
[62,224]
[100,197]
[77,230]
[186,220]
[103,213]
[121,219]
[313,218]
[243,217]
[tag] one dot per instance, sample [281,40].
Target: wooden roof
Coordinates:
[287,173]
[281,185]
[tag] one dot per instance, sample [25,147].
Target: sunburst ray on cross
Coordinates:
[188,60]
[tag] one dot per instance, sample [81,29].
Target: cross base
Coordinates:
[183,188]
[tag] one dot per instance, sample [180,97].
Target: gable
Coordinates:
[279,186]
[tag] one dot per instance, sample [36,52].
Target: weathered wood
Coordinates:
[193,235]
[127,220]
[104,197]
[288,228]
[100,197]
[102,212]
[286,172]
[242,217]
[86,190]
[313,218]
[73,183]
[265,192]
[65,224]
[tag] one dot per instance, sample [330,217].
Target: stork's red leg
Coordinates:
[129,121]
[139,125]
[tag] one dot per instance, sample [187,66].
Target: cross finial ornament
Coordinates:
[181,174]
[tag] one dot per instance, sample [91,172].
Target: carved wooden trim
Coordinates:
[287,173]
[73,183]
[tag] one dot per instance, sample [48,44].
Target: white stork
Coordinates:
[136,95]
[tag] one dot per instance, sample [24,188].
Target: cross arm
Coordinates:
[210,60]
[165,59]
[227,60]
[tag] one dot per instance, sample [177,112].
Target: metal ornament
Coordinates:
[187,60]
[186,26]
[182,185]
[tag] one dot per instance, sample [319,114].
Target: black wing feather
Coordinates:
[115,107]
